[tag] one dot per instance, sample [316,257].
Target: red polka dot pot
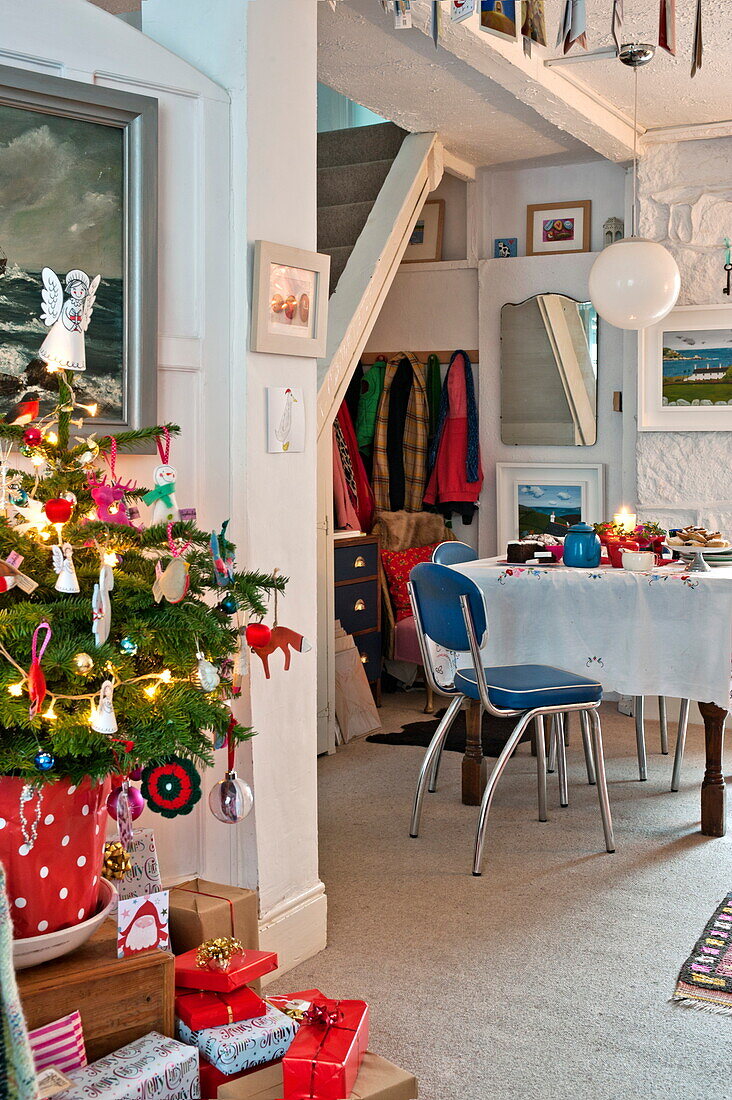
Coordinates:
[51,845]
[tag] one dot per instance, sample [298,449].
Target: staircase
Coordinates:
[352,167]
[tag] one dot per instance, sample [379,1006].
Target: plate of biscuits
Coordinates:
[692,542]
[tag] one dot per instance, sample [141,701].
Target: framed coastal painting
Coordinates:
[78,193]
[289,300]
[558,228]
[685,371]
[425,244]
[544,497]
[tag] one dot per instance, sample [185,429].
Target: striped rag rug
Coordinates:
[705,981]
[59,1045]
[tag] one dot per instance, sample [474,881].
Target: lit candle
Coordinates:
[625,520]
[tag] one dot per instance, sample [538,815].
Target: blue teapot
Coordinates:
[582,549]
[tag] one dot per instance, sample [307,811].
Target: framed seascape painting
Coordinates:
[289,300]
[425,244]
[539,497]
[78,196]
[558,228]
[685,371]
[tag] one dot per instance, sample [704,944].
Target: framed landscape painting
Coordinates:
[542,497]
[78,190]
[685,371]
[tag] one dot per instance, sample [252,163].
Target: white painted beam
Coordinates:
[697,131]
[566,103]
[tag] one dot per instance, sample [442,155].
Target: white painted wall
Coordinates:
[685,192]
[273,197]
[454,193]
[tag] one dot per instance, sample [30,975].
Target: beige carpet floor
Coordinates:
[548,977]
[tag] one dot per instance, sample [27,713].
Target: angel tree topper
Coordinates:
[63,348]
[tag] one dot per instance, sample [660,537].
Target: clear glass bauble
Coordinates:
[231,799]
[634,283]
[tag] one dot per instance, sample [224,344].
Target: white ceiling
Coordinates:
[362,56]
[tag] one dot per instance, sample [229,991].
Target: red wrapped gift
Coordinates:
[324,1057]
[242,969]
[203,1008]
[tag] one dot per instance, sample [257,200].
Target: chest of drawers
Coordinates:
[358,600]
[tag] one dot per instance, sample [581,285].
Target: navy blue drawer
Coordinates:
[369,648]
[357,605]
[359,560]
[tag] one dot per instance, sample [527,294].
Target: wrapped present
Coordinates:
[377,1080]
[324,1058]
[236,1047]
[59,1045]
[151,1066]
[144,875]
[202,910]
[203,1008]
[241,969]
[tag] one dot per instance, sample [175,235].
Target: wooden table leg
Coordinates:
[474,765]
[713,792]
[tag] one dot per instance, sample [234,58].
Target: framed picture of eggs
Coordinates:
[558,228]
[289,300]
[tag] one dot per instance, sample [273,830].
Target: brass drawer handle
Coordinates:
[364,659]
[359,563]
[360,605]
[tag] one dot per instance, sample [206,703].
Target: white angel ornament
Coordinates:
[63,563]
[63,348]
[101,605]
[104,720]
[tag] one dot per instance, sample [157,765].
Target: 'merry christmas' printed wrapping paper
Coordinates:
[236,1047]
[152,1068]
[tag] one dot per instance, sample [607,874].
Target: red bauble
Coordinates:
[58,510]
[258,634]
[32,436]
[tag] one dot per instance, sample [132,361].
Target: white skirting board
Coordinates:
[296,930]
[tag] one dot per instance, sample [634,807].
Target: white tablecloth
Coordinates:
[668,632]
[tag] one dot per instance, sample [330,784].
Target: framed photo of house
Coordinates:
[289,300]
[685,371]
[425,244]
[539,497]
[80,165]
[558,228]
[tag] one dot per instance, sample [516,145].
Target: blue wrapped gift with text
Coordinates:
[232,1048]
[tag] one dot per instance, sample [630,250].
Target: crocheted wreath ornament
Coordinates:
[171,788]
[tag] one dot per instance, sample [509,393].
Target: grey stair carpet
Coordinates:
[352,167]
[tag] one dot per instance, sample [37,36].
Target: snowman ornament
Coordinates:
[162,497]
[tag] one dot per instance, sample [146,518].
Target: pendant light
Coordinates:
[635,282]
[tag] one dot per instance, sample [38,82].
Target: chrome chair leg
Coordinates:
[558,738]
[680,744]
[640,738]
[495,775]
[551,763]
[664,724]
[541,764]
[433,751]
[587,744]
[607,821]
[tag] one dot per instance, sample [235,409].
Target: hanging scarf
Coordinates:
[472,460]
[667,26]
[573,27]
[415,441]
[346,461]
[19,1076]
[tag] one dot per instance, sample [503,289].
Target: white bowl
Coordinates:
[40,949]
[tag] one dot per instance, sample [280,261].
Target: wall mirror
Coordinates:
[549,372]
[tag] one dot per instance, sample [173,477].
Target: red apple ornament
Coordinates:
[258,634]
[58,510]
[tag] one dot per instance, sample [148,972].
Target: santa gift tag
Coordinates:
[142,924]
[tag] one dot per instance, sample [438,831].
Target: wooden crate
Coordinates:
[119,999]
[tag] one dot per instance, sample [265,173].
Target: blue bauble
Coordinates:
[19,497]
[128,646]
[44,761]
[229,604]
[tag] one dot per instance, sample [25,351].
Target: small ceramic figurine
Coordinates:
[104,719]
[101,605]
[162,497]
[63,563]
[63,348]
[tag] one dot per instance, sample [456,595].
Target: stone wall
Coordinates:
[685,195]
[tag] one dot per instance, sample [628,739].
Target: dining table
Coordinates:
[664,632]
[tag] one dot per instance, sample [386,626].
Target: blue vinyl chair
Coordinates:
[453,553]
[449,609]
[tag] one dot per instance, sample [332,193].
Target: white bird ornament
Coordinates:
[101,605]
[282,431]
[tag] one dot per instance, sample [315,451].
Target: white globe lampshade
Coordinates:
[634,283]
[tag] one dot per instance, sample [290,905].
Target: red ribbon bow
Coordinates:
[319,1016]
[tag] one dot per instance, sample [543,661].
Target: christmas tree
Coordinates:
[121,644]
